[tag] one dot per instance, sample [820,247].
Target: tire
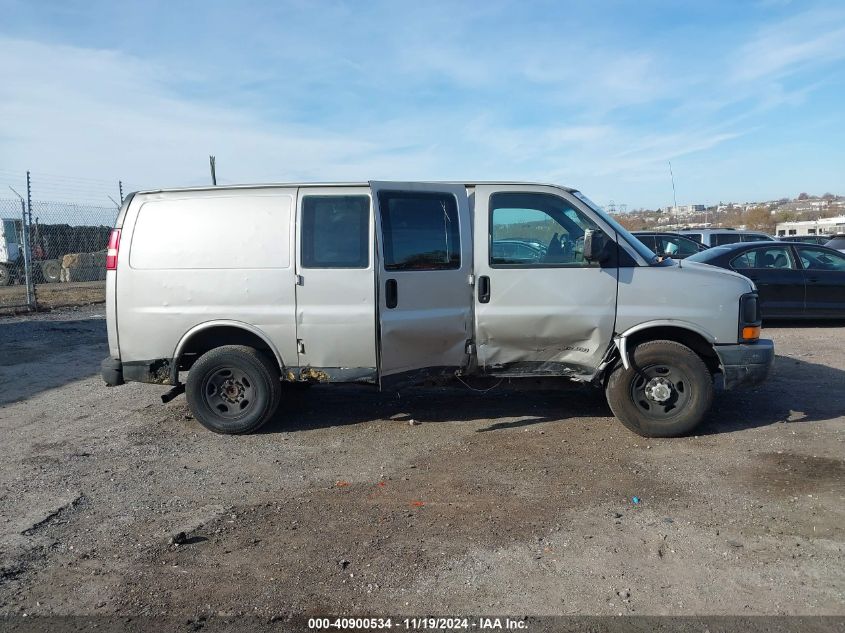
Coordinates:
[233,389]
[5,275]
[666,392]
[51,270]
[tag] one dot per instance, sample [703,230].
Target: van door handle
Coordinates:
[484,289]
[391,293]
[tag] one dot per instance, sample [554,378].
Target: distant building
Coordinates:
[686,209]
[825,226]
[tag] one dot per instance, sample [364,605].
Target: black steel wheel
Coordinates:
[666,391]
[233,389]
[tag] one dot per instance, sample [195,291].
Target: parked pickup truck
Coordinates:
[397,283]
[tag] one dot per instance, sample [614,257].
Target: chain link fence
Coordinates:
[52,252]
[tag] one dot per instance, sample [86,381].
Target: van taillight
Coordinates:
[111,253]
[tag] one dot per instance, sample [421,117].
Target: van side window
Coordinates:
[536,230]
[420,230]
[335,232]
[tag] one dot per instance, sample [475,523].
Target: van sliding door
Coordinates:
[424,292]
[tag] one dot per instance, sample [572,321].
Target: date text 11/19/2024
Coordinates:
[424,623]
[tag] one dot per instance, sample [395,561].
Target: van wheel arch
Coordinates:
[689,338]
[205,338]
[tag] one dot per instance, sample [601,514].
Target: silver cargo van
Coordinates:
[394,283]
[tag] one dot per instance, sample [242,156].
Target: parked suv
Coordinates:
[719,237]
[395,283]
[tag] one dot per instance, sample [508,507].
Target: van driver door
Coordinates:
[541,308]
[424,292]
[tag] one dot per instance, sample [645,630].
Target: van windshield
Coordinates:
[644,251]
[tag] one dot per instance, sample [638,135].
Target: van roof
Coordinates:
[347,184]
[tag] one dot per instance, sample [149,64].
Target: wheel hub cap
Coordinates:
[232,391]
[658,389]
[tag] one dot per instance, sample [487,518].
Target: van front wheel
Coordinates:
[233,389]
[666,392]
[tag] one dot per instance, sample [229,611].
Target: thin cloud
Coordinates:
[811,39]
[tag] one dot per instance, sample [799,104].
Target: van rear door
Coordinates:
[424,291]
[335,292]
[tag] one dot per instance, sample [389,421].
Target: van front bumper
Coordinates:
[745,364]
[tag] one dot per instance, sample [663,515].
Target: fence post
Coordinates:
[27,260]
[29,195]
[31,268]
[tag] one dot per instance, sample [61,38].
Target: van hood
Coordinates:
[714,270]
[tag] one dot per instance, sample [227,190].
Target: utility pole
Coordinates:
[674,197]
[120,189]
[213,162]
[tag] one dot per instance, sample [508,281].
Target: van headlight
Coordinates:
[750,321]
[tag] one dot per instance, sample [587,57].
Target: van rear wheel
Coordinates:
[233,389]
[666,392]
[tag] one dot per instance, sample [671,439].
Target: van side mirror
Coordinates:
[595,241]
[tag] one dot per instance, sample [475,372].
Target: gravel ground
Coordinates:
[504,502]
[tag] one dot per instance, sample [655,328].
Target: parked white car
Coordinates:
[394,283]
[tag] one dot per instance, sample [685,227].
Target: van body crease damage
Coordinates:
[544,353]
[366,375]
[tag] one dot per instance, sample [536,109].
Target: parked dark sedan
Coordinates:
[670,244]
[794,280]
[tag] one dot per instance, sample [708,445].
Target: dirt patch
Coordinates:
[790,474]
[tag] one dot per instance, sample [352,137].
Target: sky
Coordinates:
[746,99]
